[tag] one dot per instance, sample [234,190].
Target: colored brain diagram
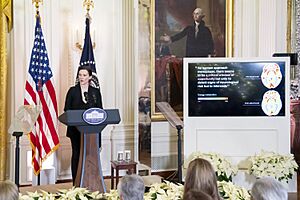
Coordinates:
[271,78]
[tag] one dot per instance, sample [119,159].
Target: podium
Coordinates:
[89,174]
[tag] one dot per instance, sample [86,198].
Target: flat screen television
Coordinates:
[217,87]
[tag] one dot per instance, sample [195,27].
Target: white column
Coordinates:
[260,27]
[281,26]
[267,28]
[123,135]
[246,27]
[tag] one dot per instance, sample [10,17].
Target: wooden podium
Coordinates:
[89,173]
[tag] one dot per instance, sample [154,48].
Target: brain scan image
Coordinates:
[271,103]
[271,75]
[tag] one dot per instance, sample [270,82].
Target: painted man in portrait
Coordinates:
[199,40]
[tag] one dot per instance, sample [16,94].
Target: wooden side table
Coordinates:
[121,165]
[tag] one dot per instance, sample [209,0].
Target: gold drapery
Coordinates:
[5,26]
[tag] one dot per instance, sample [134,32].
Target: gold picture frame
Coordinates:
[290,13]
[166,69]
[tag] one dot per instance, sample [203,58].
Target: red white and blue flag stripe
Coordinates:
[39,91]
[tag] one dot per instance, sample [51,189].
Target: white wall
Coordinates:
[260,27]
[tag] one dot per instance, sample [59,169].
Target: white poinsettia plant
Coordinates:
[281,167]
[66,194]
[225,170]
[165,191]
[159,191]
[112,195]
[228,190]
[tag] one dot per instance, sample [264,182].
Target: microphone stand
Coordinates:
[179,128]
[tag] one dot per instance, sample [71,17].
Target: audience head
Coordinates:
[201,177]
[268,189]
[131,187]
[196,195]
[8,191]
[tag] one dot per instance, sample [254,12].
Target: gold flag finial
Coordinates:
[88,4]
[37,4]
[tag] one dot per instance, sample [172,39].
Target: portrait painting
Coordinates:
[185,28]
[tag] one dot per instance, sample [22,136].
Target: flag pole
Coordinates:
[37,5]
[88,4]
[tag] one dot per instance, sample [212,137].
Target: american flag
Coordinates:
[87,56]
[39,90]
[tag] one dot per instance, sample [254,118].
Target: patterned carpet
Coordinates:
[55,187]
[148,180]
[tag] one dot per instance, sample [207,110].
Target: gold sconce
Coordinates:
[79,38]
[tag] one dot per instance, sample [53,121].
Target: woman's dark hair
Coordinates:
[85,67]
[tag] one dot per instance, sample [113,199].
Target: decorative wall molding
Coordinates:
[163,146]
[260,28]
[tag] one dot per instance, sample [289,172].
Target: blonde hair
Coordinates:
[8,191]
[201,177]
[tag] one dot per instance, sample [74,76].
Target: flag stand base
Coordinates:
[17,157]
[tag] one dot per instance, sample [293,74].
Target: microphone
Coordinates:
[95,99]
[86,97]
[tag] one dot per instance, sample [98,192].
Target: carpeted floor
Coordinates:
[48,188]
[148,180]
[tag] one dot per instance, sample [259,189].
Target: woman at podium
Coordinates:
[80,97]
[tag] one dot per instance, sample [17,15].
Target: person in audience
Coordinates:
[196,195]
[131,187]
[201,177]
[268,188]
[8,190]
